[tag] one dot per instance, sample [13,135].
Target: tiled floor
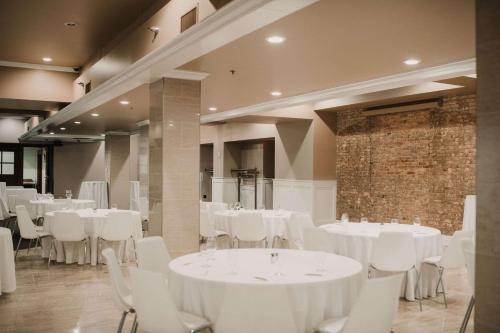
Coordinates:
[72,298]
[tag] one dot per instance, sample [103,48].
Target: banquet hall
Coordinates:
[251,166]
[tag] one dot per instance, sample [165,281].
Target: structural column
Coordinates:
[117,152]
[174,135]
[487,286]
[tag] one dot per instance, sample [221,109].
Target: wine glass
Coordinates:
[363,220]
[69,194]
[344,218]
[417,222]
[319,258]
[114,206]
[210,247]
[394,221]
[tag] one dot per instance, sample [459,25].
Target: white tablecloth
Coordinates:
[469,219]
[93,220]
[41,207]
[97,191]
[275,222]
[312,296]
[23,193]
[7,266]
[355,240]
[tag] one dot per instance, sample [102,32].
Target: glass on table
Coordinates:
[69,194]
[114,206]
[394,221]
[364,220]
[416,221]
[344,218]
[319,258]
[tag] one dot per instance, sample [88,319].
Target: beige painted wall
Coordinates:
[325,142]
[75,163]
[11,129]
[117,162]
[36,84]
[134,157]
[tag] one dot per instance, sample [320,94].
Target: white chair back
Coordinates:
[152,255]
[261,310]
[117,226]
[26,226]
[206,228]
[156,311]
[67,227]
[249,226]
[317,239]
[469,251]
[394,252]
[21,201]
[453,256]
[295,229]
[376,306]
[4,207]
[120,288]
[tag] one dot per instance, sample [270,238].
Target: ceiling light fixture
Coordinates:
[62,128]
[411,62]
[51,133]
[47,59]
[94,114]
[124,102]
[212,108]
[78,122]
[276,93]
[275,39]
[103,134]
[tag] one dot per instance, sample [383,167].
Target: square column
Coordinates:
[174,136]
[117,153]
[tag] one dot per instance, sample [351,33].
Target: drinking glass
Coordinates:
[363,220]
[394,221]
[69,194]
[344,218]
[278,264]
[210,247]
[417,222]
[319,258]
[114,206]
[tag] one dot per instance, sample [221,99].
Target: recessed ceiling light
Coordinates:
[47,59]
[103,134]
[212,108]
[94,114]
[275,39]
[276,93]
[78,122]
[62,128]
[70,24]
[124,102]
[154,28]
[411,62]
[51,133]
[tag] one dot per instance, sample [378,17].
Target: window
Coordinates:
[6,162]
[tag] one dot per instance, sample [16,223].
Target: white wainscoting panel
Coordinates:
[316,197]
[224,189]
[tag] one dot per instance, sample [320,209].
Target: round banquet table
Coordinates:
[7,266]
[40,207]
[71,252]
[275,222]
[355,240]
[247,278]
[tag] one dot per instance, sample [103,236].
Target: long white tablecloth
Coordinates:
[7,265]
[23,193]
[310,296]
[93,221]
[41,207]
[355,240]
[275,222]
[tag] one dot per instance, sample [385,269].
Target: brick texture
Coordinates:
[406,164]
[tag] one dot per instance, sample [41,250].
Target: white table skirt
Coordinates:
[355,240]
[7,265]
[310,298]
[41,207]
[95,190]
[275,222]
[71,252]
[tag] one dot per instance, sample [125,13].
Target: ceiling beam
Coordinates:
[39,66]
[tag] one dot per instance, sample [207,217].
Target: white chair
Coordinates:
[207,230]
[395,252]
[249,227]
[152,255]
[122,295]
[295,229]
[67,227]
[265,310]
[28,230]
[469,252]
[156,311]
[317,239]
[117,227]
[452,258]
[374,310]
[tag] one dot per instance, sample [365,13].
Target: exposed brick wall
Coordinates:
[406,164]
